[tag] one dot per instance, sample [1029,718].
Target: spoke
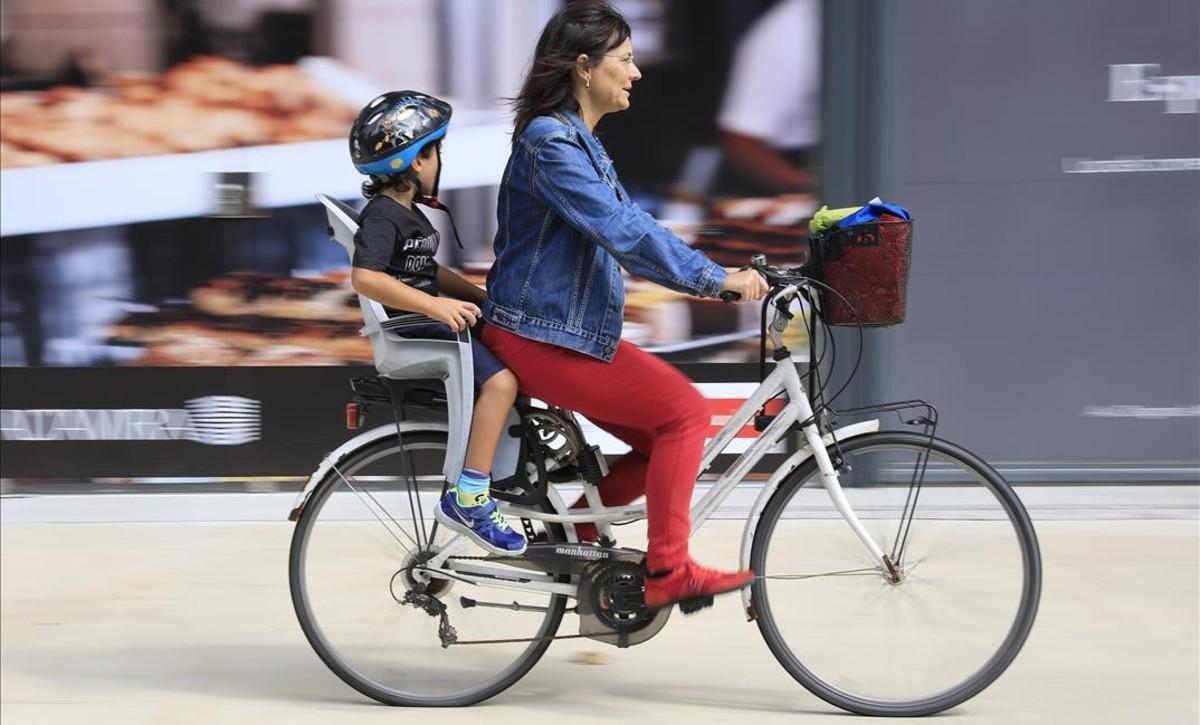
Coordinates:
[845,572]
[383,523]
[913,567]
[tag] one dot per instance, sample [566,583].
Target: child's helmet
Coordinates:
[392,129]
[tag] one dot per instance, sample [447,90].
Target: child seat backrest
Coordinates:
[403,358]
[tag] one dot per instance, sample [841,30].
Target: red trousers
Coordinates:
[639,399]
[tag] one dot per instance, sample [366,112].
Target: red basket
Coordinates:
[868,265]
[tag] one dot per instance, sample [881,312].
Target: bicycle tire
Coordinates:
[347,673]
[991,669]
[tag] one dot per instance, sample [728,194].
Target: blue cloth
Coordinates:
[872,211]
[565,223]
[483,362]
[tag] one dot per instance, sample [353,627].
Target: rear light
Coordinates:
[354,416]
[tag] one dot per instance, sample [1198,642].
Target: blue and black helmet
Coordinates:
[392,129]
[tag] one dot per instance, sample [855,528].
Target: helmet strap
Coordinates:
[432,201]
[437,178]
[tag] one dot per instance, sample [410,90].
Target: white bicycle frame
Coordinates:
[784,378]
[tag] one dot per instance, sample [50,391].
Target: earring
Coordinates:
[587,83]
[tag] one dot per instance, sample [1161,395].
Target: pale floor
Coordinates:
[168,622]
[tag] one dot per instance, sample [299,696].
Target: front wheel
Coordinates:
[968,565]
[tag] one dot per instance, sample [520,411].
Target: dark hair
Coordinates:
[402,181]
[592,27]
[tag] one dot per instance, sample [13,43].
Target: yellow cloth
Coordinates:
[827,218]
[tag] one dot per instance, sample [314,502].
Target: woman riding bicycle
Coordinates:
[555,293]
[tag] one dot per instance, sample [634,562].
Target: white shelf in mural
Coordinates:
[174,186]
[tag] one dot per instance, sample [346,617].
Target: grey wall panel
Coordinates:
[1040,300]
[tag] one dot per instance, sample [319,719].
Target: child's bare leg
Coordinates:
[467,508]
[496,398]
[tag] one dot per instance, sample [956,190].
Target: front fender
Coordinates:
[362,439]
[785,469]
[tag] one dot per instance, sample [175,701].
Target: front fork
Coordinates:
[829,479]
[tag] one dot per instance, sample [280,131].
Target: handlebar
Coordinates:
[775,276]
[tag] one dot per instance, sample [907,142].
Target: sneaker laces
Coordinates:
[499,521]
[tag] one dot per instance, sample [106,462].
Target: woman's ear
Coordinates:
[581,66]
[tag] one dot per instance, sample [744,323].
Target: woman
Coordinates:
[555,294]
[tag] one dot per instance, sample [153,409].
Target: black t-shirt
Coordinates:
[400,241]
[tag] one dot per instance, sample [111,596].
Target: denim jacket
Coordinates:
[565,223]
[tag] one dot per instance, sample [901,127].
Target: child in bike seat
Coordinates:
[396,142]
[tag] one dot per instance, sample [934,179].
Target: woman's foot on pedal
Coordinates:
[692,586]
[481,522]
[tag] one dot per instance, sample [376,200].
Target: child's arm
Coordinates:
[387,290]
[452,284]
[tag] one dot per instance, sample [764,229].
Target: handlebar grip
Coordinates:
[730,296]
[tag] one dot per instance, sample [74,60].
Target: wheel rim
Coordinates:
[969,587]
[347,574]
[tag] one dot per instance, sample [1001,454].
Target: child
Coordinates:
[396,142]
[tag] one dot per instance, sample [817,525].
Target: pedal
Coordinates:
[695,604]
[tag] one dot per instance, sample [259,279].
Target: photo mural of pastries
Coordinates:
[206,103]
[219,293]
[259,319]
[248,318]
[328,297]
[736,229]
[256,319]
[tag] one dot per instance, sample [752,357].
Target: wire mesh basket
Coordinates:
[868,266]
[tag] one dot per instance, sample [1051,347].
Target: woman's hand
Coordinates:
[747,283]
[459,315]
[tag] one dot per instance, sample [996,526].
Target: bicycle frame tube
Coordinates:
[783,378]
[793,462]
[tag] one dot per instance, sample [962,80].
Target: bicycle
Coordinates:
[379,588]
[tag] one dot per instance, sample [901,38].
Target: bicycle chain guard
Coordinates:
[612,606]
[611,596]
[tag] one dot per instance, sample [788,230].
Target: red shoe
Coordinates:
[692,586]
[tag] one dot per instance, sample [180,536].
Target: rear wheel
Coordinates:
[354,560]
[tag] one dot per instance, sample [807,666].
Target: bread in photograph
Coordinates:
[203,104]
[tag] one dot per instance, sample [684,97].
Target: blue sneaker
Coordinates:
[483,524]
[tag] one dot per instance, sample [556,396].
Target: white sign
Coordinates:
[1141,82]
[215,420]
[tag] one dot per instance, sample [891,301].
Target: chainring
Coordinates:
[612,607]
